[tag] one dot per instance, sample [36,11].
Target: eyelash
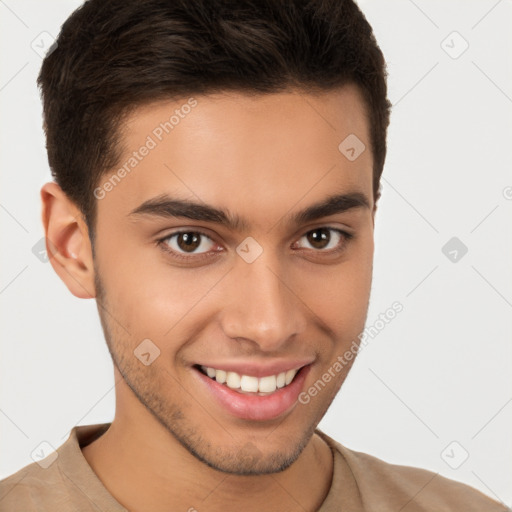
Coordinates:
[346,237]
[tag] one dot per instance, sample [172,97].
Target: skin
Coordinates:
[170,447]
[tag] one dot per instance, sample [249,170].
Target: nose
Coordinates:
[262,306]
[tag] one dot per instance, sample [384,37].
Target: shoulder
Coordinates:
[29,488]
[62,480]
[384,486]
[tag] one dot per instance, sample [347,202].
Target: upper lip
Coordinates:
[258,369]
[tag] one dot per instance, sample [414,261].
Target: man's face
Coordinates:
[271,294]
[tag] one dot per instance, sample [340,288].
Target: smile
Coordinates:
[258,398]
[249,383]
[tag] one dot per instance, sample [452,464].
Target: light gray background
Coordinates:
[439,372]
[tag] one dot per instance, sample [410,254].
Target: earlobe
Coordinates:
[67,241]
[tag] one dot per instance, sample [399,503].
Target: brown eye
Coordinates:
[187,242]
[325,239]
[319,238]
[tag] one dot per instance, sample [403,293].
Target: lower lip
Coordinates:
[256,407]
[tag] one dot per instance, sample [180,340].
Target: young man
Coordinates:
[217,170]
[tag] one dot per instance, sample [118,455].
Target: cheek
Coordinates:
[339,294]
[155,300]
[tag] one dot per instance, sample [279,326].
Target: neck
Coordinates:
[145,468]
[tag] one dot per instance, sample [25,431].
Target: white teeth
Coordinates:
[233,380]
[289,376]
[281,380]
[268,384]
[220,376]
[249,383]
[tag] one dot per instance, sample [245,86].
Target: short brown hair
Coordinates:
[114,55]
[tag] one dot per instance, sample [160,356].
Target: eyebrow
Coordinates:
[165,206]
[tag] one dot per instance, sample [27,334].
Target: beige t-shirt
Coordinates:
[360,483]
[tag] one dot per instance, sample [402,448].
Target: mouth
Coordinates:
[250,397]
[250,384]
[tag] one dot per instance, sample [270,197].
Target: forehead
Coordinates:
[259,154]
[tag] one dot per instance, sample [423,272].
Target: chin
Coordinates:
[248,459]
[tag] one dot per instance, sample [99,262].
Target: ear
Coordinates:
[67,241]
